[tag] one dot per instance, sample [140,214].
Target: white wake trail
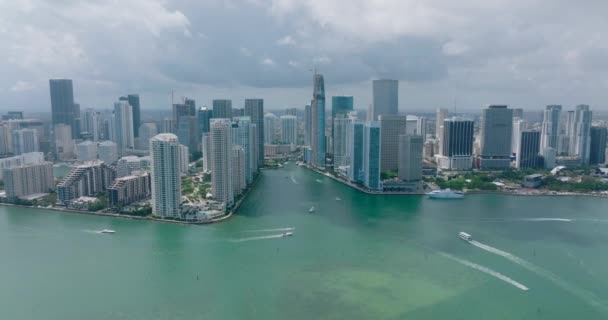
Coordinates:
[271,230]
[274,236]
[545,219]
[486,270]
[293,179]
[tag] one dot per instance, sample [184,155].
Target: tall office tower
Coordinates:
[108,151]
[270,129]
[6,140]
[341,104]
[239,183]
[519,125]
[221,162]
[184,109]
[410,158]
[63,108]
[90,124]
[168,126]
[206,149]
[289,130]
[222,108]
[307,125]
[13,115]
[133,101]
[457,143]
[24,141]
[256,147]
[318,122]
[186,124]
[86,151]
[567,137]
[87,179]
[291,112]
[204,114]
[166,178]
[184,159]
[527,154]
[129,189]
[597,149]
[238,112]
[28,179]
[422,127]
[242,135]
[518,113]
[386,98]
[254,108]
[77,120]
[146,132]
[495,137]
[411,125]
[106,125]
[371,155]
[123,115]
[549,135]
[582,133]
[391,127]
[442,114]
[127,165]
[354,144]
[340,146]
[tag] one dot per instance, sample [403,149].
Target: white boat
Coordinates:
[107,231]
[465,236]
[338,199]
[287,234]
[319,181]
[445,194]
[312,209]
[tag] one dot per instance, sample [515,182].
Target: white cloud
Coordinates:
[454,48]
[286,41]
[21,86]
[268,62]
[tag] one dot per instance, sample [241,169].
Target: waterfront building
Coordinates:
[371,155]
[166,179]
[25,140]
[391,127]
[411,125]
[146,132]
[410,158]
[64,145]
[184,159]
[86,151]
[386,98]
[29,179]
[519,125]
[495,137]
[186,124]
[63,108]
[254,108]
[90,124]
[550,128]
[256,144]
[24,159]
[127,165]
[354,142]
[123,115]
[270,121]
[221,162]
[527,154]
[204,115]
[318,142]
[582,133]
[242,135]
[6,140]
[307,125]
[340,146]
[549,158]
[222,108]
[340,105]
[107,151]
[457,146]
[442,114]
[206,149]
[289,130]
[87,179]
[133,101]
[597,152]
[421,127]
[239,181]
[129,189]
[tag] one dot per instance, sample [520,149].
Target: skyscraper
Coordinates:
[495,137]
[254,108]
[550,128]
[457,145]
[307,125]
[582,133]
[519,125]
[528,150]
[108,151]
[442,114]
[239,165]
[133,100]
[221,161]
[24,141]
[354,144]
[242,135]
[87,179]
[166,179]
[371,155]
[90,123]
[204,114]
[386,98]
[270,121]
[206,149]
[86,151]
[186,122]
[341,104]
[28,179]
[63,108]
[422,127]
[146,132]
[222,108]
[340,147]
[410,158]
[289,130]
[123,115]
[291,112]
[391,127]
[318,122]
[597,153]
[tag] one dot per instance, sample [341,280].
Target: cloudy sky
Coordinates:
[525,53]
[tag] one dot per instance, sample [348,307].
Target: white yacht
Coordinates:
[312,209]
[465,236]
[287,234]
[445,194]
[107,231]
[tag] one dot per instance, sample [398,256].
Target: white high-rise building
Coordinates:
[86,151]
[123,115]
[127,165]
[90,123]
[184,158]
[242,134]
[146,132]
[270,121]
[519,125]
[166,178]
[24,141]
[340,140]
[64,145]
[6,140]
[442,114]
[289,129]
[28,179]
[549,136]
[422,127]
[107,152]
[582,133]
[206,148]
[221,162]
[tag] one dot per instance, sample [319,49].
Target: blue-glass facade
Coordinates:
[341,104]
[203,119]
[356,151]
[371,155]
[318,125]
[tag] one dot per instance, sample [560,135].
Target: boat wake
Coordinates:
[486,270]
[271,230]
[274,236]
[293,179]
[91,231]
[545,219]
[582,294]
[319,181]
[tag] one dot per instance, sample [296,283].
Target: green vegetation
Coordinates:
[587,184]
[388,175]
[187,185]
[141,211]
[477,181]
[100,204]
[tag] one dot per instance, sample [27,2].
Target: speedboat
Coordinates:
[287,234]
[312,209]
[107,231]
[445,194]
[465,236]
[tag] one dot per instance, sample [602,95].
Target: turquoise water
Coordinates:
[362,257]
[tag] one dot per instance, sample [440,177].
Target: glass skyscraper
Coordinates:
[386,98]
[371,155]
[63,108]
[318,121]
